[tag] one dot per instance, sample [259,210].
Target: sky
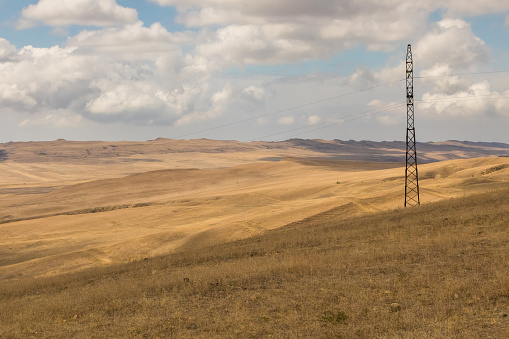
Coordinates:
[252,70]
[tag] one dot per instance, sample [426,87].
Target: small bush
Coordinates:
[338,317]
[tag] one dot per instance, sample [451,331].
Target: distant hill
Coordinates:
[393,151]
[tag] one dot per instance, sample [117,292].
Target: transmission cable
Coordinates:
[359,115]
[456,99]
[378,110]
[399,105]
[461,74]
[290,108]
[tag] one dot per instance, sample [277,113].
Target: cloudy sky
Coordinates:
[252,70]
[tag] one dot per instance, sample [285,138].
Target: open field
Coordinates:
[284,240]
[439,271]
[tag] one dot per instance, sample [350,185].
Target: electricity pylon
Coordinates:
[411,174]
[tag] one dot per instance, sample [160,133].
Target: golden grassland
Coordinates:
[437,271]
[173,240]
[154,213]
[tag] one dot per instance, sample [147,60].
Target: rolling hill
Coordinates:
[308,235]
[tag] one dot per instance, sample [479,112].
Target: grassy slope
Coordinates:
[204,207]
[443,264]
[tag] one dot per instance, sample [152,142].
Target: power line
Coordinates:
[461,74]
[289,109]
[333,98]
[456,99]
[349,120]
[360,115]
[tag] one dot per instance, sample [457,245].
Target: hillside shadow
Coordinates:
[3,155]
[349,163]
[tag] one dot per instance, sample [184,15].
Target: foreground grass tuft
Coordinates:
[438,271]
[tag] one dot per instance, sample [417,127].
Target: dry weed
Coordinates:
[438,271]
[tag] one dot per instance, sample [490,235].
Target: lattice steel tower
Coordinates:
[411,174]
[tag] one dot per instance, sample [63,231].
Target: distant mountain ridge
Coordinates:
[390,151]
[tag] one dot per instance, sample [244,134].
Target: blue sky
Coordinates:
[225,69]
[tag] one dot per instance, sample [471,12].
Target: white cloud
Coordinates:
[125,97]
[314,119]
[477,100]
[472,8]
[12,95]
[448,47]
[452,42]
[269,32]
[441,78]
[287,120]
[253,44]
[361,78]
[130,42]
[375,103]
[264,32]
[104,84]
[390,120]
[6,50]
[216,107]
[502,104]
[45,77]
[127,72]
[253,93]
[76,12]
[62,120]
[451,47]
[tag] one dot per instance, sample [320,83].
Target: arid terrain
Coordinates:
[97,216]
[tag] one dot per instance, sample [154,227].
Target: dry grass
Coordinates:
[438,271]
[73,227]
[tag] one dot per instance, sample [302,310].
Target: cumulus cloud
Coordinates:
[216,106]
[476,100]
[269,32]
[253,44]
[44,77]
[451,40]
[6,50]
[460,7]
[363,78]
[100,85]
[450,46]
[253,93]
[76,12]
[12,95]
[441,78]
[131,42]
[124,97]
[147,75]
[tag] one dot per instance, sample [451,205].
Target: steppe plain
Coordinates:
[68,207]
